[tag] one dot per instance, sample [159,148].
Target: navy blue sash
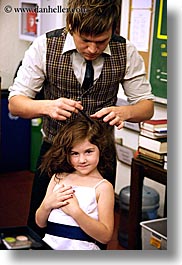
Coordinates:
[68,231]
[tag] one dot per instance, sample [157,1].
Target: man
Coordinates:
[56,63]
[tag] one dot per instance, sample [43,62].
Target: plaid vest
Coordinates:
[61,81]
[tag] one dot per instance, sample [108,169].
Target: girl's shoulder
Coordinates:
[102,188]
[58,177]
[104,184]
[100,182]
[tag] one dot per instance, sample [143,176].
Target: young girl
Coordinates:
[78,208]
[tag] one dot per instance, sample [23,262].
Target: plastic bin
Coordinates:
[14,139]
[154,234]
[36,141]
[150,205]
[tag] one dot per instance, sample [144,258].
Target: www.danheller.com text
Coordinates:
[49,9]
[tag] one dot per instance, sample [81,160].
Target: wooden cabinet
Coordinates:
[139,170]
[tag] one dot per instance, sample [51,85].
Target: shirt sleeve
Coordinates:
[135,84]
[32,72]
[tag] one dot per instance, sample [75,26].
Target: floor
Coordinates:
[15,191]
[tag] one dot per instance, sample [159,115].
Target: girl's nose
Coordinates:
[82,159]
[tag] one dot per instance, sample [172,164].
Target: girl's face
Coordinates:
[84,157]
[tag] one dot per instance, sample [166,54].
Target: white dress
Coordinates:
[87,200]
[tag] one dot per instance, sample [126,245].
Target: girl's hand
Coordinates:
[71,205]
[53,199]
[58,197]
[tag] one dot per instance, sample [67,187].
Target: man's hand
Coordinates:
[116,115]
[111,115]
[58,109]
[62,108]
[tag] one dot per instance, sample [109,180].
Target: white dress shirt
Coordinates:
[32,73]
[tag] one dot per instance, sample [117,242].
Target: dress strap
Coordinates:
[99,183]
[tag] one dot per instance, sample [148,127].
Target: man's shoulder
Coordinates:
[117,38]
[55,33]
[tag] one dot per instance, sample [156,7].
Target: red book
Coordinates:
[151,125]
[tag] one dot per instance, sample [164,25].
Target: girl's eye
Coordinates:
[74,154]
[89,151]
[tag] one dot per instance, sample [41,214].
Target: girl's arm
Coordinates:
[101,229]
[52,200]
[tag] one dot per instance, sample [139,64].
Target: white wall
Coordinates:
[12,49]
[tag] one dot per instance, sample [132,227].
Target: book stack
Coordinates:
[152,144]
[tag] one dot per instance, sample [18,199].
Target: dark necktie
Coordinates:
[89,76]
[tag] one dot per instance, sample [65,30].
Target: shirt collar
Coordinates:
[69,45]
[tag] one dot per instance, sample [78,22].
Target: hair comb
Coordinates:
[86,116]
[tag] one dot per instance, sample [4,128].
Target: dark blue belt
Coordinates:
[68,231]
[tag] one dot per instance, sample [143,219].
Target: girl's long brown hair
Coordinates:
[56,160]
